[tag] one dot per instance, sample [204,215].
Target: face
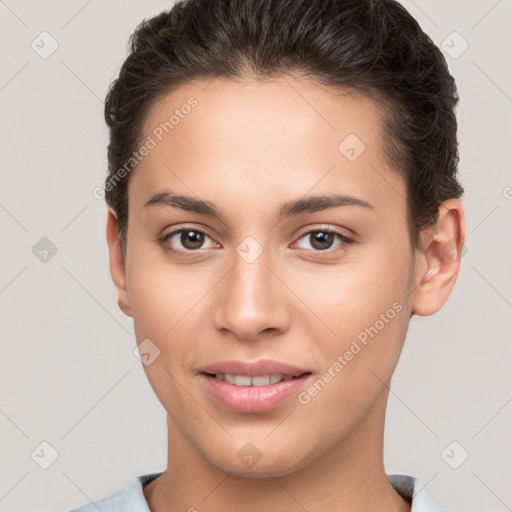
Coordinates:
[323,287]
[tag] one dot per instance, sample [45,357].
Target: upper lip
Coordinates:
[254,368]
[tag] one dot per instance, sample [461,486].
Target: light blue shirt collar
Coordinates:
[131,498]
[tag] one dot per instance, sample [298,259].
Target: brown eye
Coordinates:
[322,240]
[185,240]
[191,239]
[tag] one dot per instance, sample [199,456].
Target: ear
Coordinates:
[117,265]
[438,259]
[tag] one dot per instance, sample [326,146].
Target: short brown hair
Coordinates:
[373,46]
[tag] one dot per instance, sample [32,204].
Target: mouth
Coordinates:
[254,381]
[253,394]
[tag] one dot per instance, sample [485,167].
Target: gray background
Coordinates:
[69,376]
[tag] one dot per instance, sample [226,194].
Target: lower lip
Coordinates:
[253,399]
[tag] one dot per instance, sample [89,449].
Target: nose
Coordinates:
[251,301]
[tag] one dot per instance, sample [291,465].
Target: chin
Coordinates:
[251,462]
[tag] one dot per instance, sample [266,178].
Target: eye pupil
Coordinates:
[324,238]
[196,237]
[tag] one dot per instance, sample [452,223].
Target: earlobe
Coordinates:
[116,263]
[439,257]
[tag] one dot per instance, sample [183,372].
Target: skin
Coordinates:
[248,147]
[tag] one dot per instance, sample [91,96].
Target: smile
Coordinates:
[256,394]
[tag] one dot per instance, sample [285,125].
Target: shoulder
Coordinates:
[129,499]
[413,489]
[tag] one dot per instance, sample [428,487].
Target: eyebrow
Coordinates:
[309,204]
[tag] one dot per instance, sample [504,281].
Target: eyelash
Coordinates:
[347,242]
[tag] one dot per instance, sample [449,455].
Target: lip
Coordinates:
[253,399]
[253,369]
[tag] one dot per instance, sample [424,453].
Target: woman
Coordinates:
[283,197]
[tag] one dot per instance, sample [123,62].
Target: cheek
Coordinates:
[353,295]
[366,306]
[154,306]
[168,304]
[358,363]
[162,308]
[161,295]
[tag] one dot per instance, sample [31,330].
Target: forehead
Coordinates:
[284,135]
[289,109]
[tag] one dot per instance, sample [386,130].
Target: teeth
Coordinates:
[275,378]
[229,378]
[246,380]
[264,380]
[242,380]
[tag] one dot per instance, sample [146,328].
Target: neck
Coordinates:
[349,476]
